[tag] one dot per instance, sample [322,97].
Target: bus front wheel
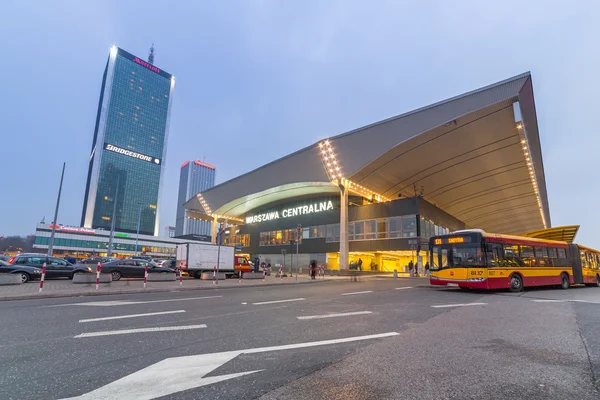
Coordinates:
[516,283]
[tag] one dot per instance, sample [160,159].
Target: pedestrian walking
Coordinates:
[426,268]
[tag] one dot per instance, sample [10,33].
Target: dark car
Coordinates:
[55,267]
[169,264]
[130,268]
[27,273]
[96,260]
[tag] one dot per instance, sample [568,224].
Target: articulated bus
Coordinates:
[479,260]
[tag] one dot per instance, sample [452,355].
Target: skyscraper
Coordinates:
[195,177]
[129,145]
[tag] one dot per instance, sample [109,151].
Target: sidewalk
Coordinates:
[66,288]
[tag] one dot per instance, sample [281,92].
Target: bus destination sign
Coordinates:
[452,240]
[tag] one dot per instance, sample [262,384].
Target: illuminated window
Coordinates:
[104,217]
[153,206]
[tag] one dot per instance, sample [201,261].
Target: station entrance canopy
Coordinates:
[476,156]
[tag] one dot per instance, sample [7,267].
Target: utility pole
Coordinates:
[51,245]
[109,253]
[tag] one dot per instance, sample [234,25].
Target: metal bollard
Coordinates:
[43,277]
[145,275]
[395,273]
[181,274]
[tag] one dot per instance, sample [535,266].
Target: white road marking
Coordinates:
[172,375]
[244,303]
[335,315]
[278,301]
[548,301]
[459,305]
[564,301]
[402,288]
[140,330]
[113,303]
[350,294]
[131,316]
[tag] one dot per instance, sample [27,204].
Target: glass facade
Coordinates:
[195,177]
[99,246]
[131,146]
[371,229]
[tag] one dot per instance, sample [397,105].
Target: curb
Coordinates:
[157,290]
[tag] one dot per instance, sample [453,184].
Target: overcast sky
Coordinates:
[256,80]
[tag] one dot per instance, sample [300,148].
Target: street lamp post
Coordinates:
[109,253]
[137,235]
[51,245]
[219,240]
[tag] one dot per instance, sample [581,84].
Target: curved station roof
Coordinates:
[476,156]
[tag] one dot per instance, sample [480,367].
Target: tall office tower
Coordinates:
[129,145]
[196,176]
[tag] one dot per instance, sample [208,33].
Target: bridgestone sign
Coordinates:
[132,154]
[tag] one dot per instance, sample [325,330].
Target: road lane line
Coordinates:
[131,316]
[459,305]
[334,315]
[405,287]
[549,301]
[352,293]
[564,301]
[140,330]
[278,301]
[113,303]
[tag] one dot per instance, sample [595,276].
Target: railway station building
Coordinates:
[371,198]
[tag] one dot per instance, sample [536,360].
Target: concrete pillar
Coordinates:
[213,232]
[343,227]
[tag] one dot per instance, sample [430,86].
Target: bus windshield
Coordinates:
[456,255]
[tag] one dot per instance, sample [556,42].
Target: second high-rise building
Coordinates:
[129,146]
[196,176]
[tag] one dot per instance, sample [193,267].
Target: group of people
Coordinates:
[414,269]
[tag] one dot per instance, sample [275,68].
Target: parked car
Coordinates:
[169,264]
[96,260]
[55,267]
[130,268]
[27,273]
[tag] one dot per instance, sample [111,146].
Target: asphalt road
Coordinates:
[374,339]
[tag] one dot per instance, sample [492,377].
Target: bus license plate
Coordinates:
[452,284]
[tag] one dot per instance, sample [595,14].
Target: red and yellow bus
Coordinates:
[479,260]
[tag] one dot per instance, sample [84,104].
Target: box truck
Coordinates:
[202,257]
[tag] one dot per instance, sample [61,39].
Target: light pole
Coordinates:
[51,245]
[109,253]
[137,235]
[219,240]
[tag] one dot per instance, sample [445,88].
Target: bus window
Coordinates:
[439,258]
[527,255]
[562,253]
[541,252]
[495,254]
[552,252]
[583,260]
[511,256]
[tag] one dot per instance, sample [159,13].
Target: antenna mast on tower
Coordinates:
[151,55]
